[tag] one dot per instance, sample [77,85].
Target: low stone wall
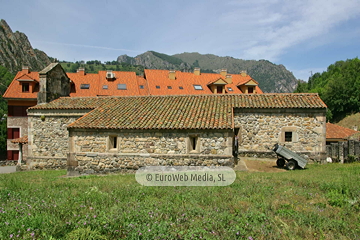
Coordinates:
[47,164]
[8,163]
[99,163]
[311,157]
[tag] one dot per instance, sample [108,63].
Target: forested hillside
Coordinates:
[95,66]
[338,87]
[5,79]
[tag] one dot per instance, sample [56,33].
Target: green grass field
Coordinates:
[320,202]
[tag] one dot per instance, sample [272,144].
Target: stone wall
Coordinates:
[54,83]
[260,129]
[92,152]
[48,138]
[93,163]
[215,142]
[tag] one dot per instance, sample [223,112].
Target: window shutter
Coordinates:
[9,133]
[9,155]
[16,133]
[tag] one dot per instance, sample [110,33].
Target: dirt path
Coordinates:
[262,165]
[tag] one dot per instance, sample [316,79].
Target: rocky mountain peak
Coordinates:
[16,51]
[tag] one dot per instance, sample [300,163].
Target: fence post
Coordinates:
[341,151]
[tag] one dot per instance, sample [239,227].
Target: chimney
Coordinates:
[228,79]
[81,70]
[172,74]
[25,69]
[243,73]
[197,71]
[110,75]
[223,72]
[355,127]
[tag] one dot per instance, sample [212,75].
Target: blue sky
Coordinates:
[305,36]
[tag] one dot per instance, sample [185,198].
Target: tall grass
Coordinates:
[321,202]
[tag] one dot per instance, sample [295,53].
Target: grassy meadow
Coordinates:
[320,202]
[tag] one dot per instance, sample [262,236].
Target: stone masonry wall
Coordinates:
[146,141]
[50,137]
[49,140]
[260,130]
[91,152]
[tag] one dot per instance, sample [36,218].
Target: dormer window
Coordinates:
[219,89]
[25,87]
[85,86]
[250,89]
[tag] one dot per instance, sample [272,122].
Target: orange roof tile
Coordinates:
[174,112]
[15,89]
[187,80]
[334,131]
[23,140]
[155,82]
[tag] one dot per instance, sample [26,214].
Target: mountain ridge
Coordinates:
[271,77]
[16,51]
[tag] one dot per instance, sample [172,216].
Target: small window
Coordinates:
[121,87]
[193,144]
[288,136]
[250,89]
[158,87]
[219,89]
[141,86]
[113,141]
[169,87]
[198,87]
[85,86]
[230,89]
[181,87]
[105,87]
[25,87]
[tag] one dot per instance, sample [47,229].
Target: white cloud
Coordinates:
[296,22]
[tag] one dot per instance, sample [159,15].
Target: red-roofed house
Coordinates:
[336,133]
[24,89]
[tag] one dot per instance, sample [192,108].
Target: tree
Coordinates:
[338,87]
[5,79]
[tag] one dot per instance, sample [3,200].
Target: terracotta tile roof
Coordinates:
[156,82]
[76,103]
[15,89]
[174,112]
[334,131]
[23,140]
[187,80]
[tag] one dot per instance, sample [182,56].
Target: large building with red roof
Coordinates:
[28,87]
[101,134]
